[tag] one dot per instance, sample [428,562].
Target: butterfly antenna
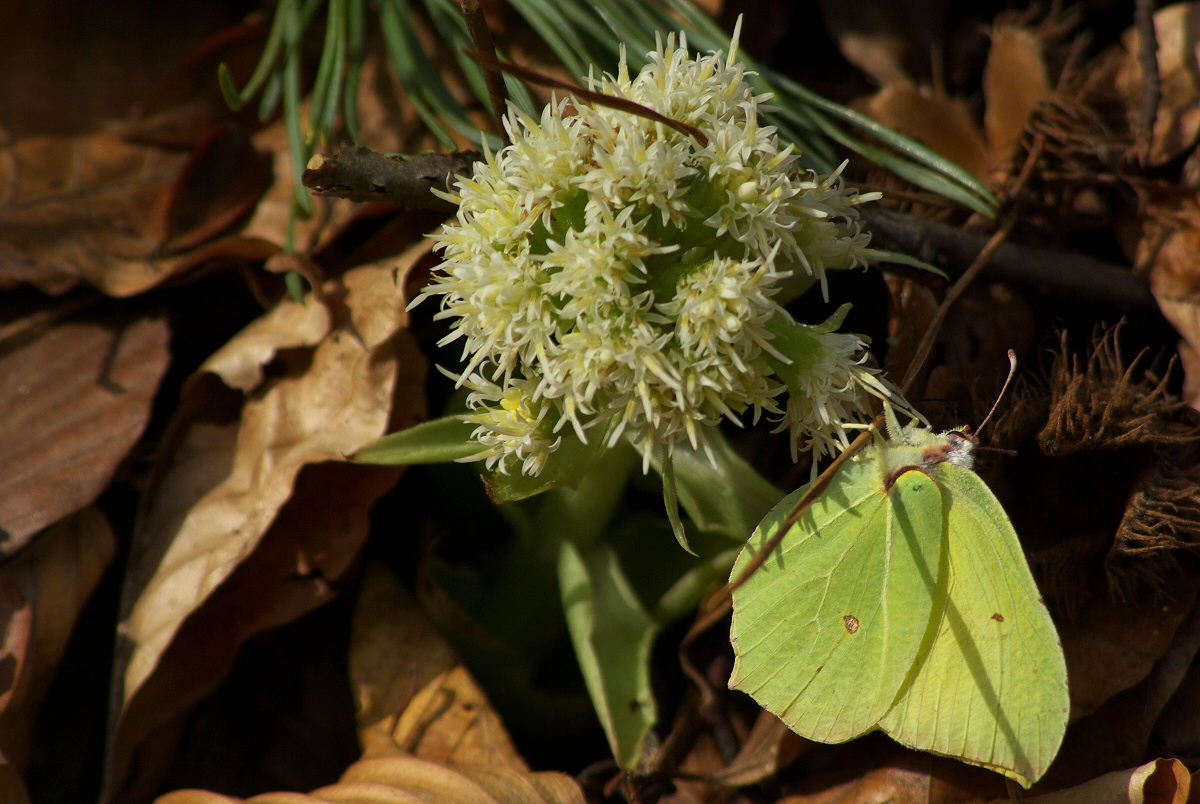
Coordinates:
[1012,372]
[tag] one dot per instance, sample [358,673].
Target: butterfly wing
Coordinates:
[826,631]
[991,689]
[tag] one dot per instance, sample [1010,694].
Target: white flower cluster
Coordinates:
[610,272]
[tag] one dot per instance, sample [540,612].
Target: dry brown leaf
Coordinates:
[942,124]
[289,324]
[1014,82]
[52,580]
[76,398]
[1168,254]
[82,203]
[769,746]
[408,780]
[1112,645]
[201,559]
[907,778]
[1163,781]
[886,40]
[1177,123]
[1118,734]
[411,691]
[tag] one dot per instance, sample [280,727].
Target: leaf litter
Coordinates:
[248,516]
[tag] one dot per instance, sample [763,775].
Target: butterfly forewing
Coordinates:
[826,631]
[992,687]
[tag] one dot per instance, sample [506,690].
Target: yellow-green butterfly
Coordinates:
[901,601]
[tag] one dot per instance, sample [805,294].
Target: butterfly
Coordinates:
[902,601]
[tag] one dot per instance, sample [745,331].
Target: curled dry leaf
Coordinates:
[1163,781]
[116,222]
[429,733]
[412,693]
[1118,734]
[769,747]
[237,534]
[906,778]
[76,398]
[408,779]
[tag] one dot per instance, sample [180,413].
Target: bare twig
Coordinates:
[1057,272]
[481,36]
[361,174]
[1147,58]
[595,98]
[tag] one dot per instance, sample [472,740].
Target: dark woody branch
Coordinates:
[361,174]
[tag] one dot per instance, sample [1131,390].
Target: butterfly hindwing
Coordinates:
[992,688]
[827,629]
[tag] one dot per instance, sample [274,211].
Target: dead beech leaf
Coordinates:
[1111,646]
[1169,255]
[287,325]
[1177,123]
[76,398]
[908,777]
[1163,781]
[408,780]
[53,579]
[81,202]
[769,746]
[942,124]
[99,209]
[412,693]
[204,576]
[1015,80]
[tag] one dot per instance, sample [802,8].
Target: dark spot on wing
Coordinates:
[851,623]
[998,617]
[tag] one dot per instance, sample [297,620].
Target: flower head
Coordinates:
[611,272]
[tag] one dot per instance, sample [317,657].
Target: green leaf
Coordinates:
[613,636]
[846,629]
[727,497]
[437,441]
[565,468]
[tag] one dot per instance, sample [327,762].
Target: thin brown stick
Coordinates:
[1147,58]
[493,79]
[596,98]
[361,174]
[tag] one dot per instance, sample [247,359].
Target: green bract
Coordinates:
[901,601]
[611,276]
